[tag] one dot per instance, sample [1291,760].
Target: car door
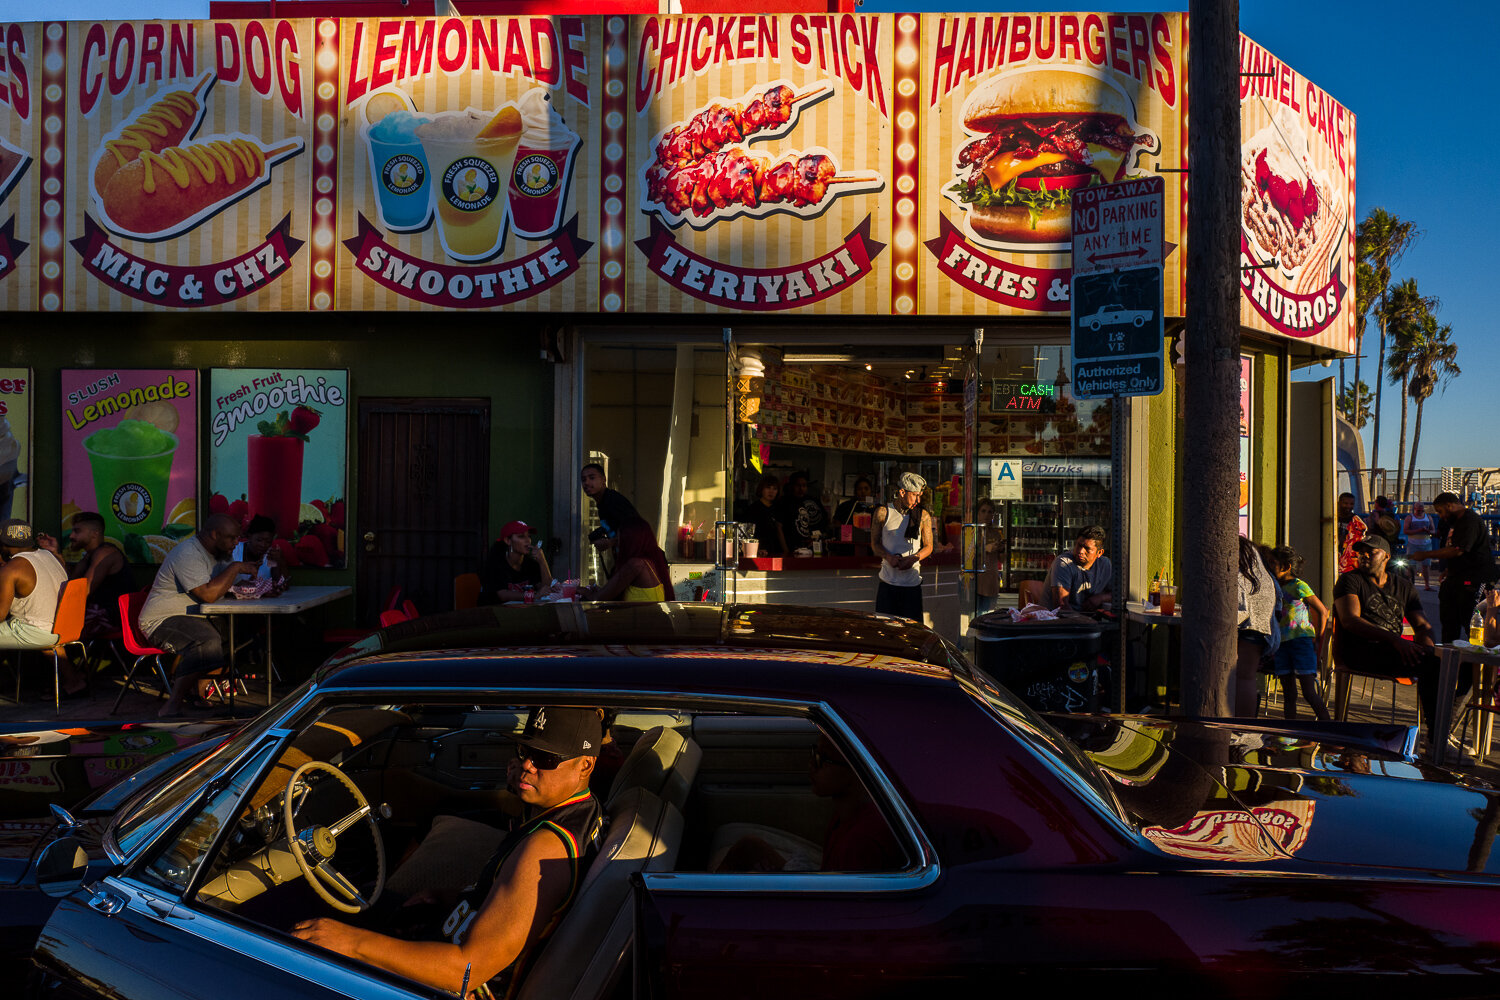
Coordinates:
[136,934]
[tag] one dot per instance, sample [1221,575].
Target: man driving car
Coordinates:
[501,921]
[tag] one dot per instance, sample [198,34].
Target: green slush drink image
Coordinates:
[132,464]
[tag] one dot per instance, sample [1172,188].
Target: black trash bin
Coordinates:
[1053,666]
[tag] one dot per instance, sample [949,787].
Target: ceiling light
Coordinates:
[815,359]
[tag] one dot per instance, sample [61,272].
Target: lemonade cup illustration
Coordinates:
[398,163]
[274,479]
[132,465]
[471,157]
[543,163]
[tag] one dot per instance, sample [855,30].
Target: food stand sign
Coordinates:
[1117,289]
[277,449]
[20,119]
[15,442]
[130,453]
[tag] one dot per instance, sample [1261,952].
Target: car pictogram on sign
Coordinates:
[1115,314]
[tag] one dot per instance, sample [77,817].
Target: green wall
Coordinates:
[388,354]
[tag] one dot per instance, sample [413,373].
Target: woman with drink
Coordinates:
[641,570]
[762,514]
[513,565]
[848,517]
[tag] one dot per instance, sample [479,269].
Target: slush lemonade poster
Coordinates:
[15,442]
[130,452]
[276,445]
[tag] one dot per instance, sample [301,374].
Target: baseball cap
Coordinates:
[515,528]
[16,532]
[567,732]
[1374,542]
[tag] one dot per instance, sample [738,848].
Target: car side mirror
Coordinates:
[61,867]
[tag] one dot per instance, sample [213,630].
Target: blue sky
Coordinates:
[1412,80]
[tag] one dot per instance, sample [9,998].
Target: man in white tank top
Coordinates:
[901,546]
[30,582]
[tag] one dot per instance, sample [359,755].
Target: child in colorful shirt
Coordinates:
[1303,619]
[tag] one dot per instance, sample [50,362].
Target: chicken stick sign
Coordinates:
[812,163]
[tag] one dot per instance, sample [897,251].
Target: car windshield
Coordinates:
[1036,731]
[143,815]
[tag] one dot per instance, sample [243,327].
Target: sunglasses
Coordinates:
[542,760]
[819,758]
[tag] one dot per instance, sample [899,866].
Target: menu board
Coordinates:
[16,395]
[188,152]
[468,152]
[1296,206]
[130,453]
[20,114]
[1017,111]
[759,154]
[277,449]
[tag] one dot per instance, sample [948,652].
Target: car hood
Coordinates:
[1244,792]
[71,767]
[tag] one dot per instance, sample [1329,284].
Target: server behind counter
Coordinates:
[763,512]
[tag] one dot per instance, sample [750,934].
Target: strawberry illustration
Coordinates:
[218,504]
[304,419]
[311,551]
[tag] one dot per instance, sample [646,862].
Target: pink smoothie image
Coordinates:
[539,179]
[274,475]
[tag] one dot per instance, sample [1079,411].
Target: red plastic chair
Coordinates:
[130,633]
[395,616]
[346,636]
[410,609]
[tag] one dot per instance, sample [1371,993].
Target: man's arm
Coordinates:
[529,889]
[907,562]
[220,583]
[878,519]
[103,561]
[9,574]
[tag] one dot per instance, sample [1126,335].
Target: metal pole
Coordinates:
[724,528]
[1211,392]
[1119,445]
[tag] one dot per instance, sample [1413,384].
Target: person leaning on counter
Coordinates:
[901,535]
[762,512]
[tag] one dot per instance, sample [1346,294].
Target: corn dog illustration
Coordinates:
[159,192]
[169,122]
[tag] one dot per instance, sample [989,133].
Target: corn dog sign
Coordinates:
[760,147]
[466,148]
[188,140]
[1297,204]
[20,53]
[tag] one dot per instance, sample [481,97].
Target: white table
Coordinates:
[1149,614]
[1450,658]
[291,601]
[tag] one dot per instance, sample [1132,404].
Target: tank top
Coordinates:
[654,594]
[39,607]
[576,822]
[893,539]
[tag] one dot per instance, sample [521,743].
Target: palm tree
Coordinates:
[1364,298]
[1405,314]
[1380,240]
[1434,366]
[1354,404]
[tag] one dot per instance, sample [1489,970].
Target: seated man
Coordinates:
[30,583]
[198,570]
[102,565]
[1368,605]
[501,921]
[1082,581]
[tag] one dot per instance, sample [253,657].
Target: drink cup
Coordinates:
[131,467]
[539,181]
[1156,598]
[470,176]
[569,590]
[751,547]
[1169,600]
[862,521]
[398,164]
[275,480]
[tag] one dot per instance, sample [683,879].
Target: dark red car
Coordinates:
[802,803]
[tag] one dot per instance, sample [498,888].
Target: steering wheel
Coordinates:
[314,847]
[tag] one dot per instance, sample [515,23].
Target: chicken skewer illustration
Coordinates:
[160,190]
[735,176]
[167,123]
[720,124]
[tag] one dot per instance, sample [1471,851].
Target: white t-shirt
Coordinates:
[187,567]
[262,573]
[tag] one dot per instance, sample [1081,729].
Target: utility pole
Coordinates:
[1211,390]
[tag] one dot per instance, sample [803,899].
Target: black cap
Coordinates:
[567,732]
[1374,542]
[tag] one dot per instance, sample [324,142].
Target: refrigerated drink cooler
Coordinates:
[1051,511]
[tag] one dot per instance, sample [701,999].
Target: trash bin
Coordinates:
[1053,666]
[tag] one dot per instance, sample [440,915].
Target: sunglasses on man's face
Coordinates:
[542,760]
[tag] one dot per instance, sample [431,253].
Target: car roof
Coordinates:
[796,637]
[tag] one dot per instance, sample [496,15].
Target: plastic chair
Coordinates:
[395,616]
[130,634]
[67,623]
[410,610]
[1342,674]
[466,591]
[345,636]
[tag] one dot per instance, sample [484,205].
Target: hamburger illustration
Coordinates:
[1035,136]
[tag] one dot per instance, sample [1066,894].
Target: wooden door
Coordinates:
[424,498]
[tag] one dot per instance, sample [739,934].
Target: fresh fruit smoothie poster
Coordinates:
[277,448]
[130,453]
[15,442]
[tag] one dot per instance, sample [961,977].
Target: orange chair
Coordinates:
[466,591]
[130,630]
[67,623]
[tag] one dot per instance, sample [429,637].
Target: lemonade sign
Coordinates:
[130,453]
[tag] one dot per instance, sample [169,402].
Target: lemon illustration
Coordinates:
[307,512]
[403,178]
[186,512]
[159,545]
[470,185]
[382,104]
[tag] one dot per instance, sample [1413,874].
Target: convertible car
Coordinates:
[800,802]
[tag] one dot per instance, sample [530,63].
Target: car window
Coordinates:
[173,863]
